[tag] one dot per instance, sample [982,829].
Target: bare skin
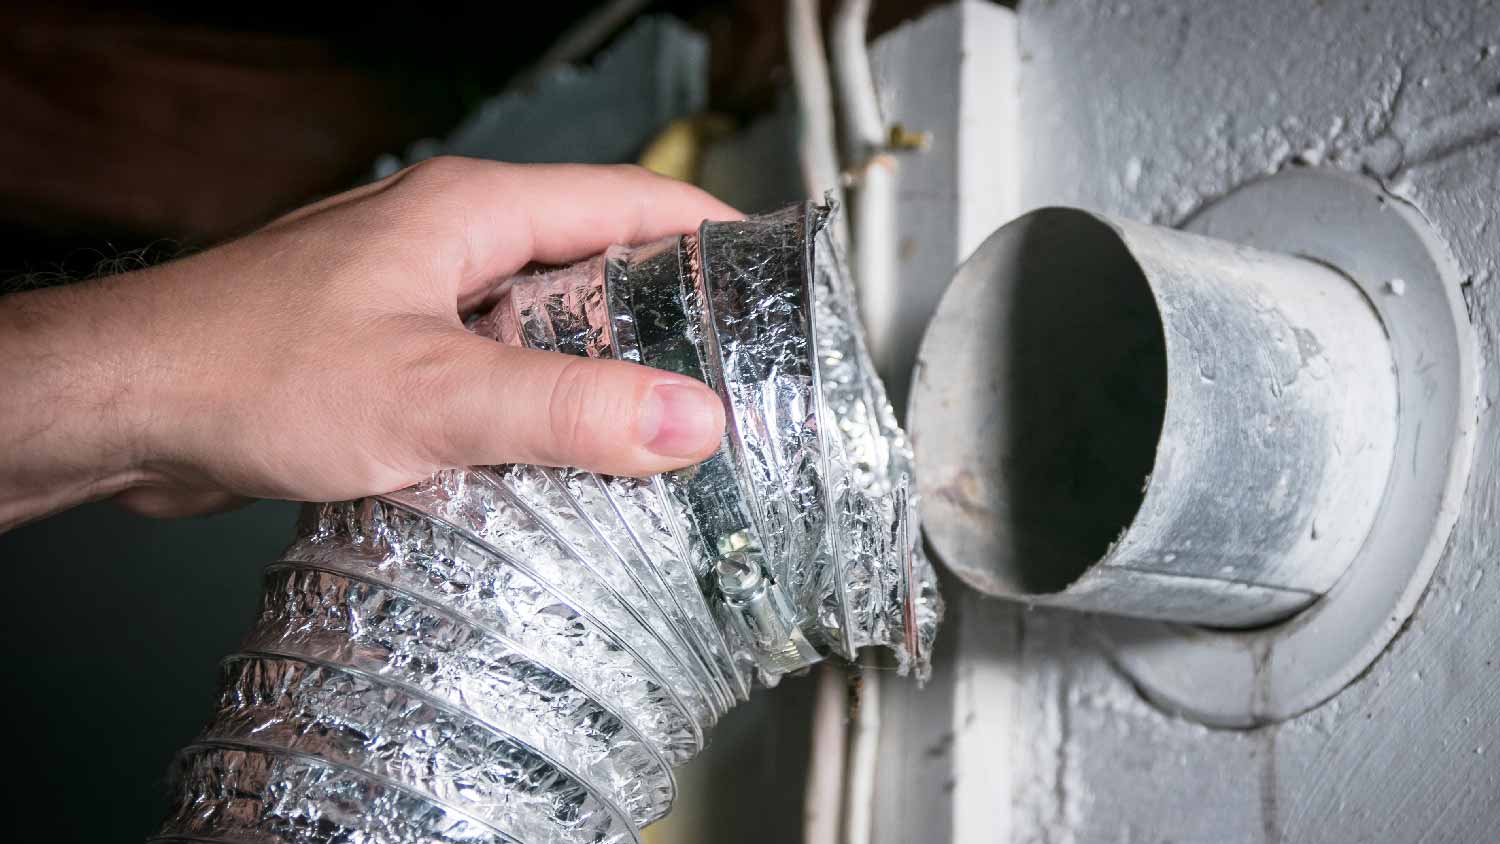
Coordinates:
[323,357]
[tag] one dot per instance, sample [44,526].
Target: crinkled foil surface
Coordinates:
[521,653]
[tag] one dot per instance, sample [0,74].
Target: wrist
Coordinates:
[77,408]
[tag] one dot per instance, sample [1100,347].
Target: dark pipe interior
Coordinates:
[1085,396]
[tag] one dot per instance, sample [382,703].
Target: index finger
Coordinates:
[505,216]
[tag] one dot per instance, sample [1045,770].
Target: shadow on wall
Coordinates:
[747,785]
[112,627]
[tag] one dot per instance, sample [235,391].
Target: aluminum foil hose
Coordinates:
[522,654]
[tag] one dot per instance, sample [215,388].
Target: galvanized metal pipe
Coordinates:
[1118,417]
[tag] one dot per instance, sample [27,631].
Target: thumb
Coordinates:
[514,405]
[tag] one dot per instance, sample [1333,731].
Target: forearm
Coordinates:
[71,395]
[325,357]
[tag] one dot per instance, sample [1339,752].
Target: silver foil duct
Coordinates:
[522,654]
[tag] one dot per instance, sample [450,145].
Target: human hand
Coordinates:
[323,357]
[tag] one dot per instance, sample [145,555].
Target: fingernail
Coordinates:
[681,420]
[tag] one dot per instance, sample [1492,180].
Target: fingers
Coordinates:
[487,403]
[504,216]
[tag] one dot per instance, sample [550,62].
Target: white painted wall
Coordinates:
[1149,109]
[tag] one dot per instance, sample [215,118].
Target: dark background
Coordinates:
[171,127]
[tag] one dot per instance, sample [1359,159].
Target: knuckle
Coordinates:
[636,174]
[575,413]
[427,209]
[440,170]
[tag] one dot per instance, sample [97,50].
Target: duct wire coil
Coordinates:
[522,654]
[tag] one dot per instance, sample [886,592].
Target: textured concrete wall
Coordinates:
[1150,109]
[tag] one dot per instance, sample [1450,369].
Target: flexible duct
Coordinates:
[520,653]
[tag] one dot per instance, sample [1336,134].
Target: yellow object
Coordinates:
[677,150]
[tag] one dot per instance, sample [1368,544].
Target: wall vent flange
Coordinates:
[1251,677]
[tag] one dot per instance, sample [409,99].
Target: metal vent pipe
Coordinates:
[1124,418]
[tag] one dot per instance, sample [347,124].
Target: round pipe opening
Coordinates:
[1080,359]
[1085,405]
[1124,418]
